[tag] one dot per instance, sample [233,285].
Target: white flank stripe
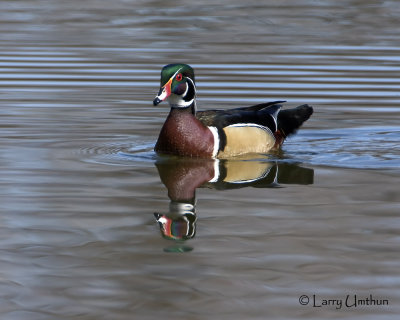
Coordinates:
[214,131]
[252,125]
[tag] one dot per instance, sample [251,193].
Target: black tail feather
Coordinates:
[290,120]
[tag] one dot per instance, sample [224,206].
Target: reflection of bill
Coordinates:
[183,176]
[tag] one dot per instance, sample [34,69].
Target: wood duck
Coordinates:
[219,134]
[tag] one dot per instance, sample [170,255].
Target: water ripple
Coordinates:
[120,154]
[362,148]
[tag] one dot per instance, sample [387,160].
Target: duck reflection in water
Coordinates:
[183,176]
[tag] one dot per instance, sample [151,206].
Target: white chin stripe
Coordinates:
[214,131]
[186,91]
[177,101]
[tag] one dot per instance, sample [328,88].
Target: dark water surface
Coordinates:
[81,188]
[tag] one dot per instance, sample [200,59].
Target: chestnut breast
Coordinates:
[182,134]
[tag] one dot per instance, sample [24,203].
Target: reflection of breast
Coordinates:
[246,138]
[182,176]
[246,171]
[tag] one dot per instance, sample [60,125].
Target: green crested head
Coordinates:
[177,85]
[170,70]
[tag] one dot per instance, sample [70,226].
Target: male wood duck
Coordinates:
[219,133]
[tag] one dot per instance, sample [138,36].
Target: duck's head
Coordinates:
[177,85]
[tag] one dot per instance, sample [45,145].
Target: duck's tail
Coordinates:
[290,120]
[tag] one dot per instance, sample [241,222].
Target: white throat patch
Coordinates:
[177,101]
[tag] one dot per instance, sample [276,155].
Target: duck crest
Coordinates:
[185,135]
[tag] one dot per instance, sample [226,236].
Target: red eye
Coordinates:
[178,77]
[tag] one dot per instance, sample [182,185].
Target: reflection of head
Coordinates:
[177,228]
[179,223]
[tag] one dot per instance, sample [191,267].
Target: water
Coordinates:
[81,188]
